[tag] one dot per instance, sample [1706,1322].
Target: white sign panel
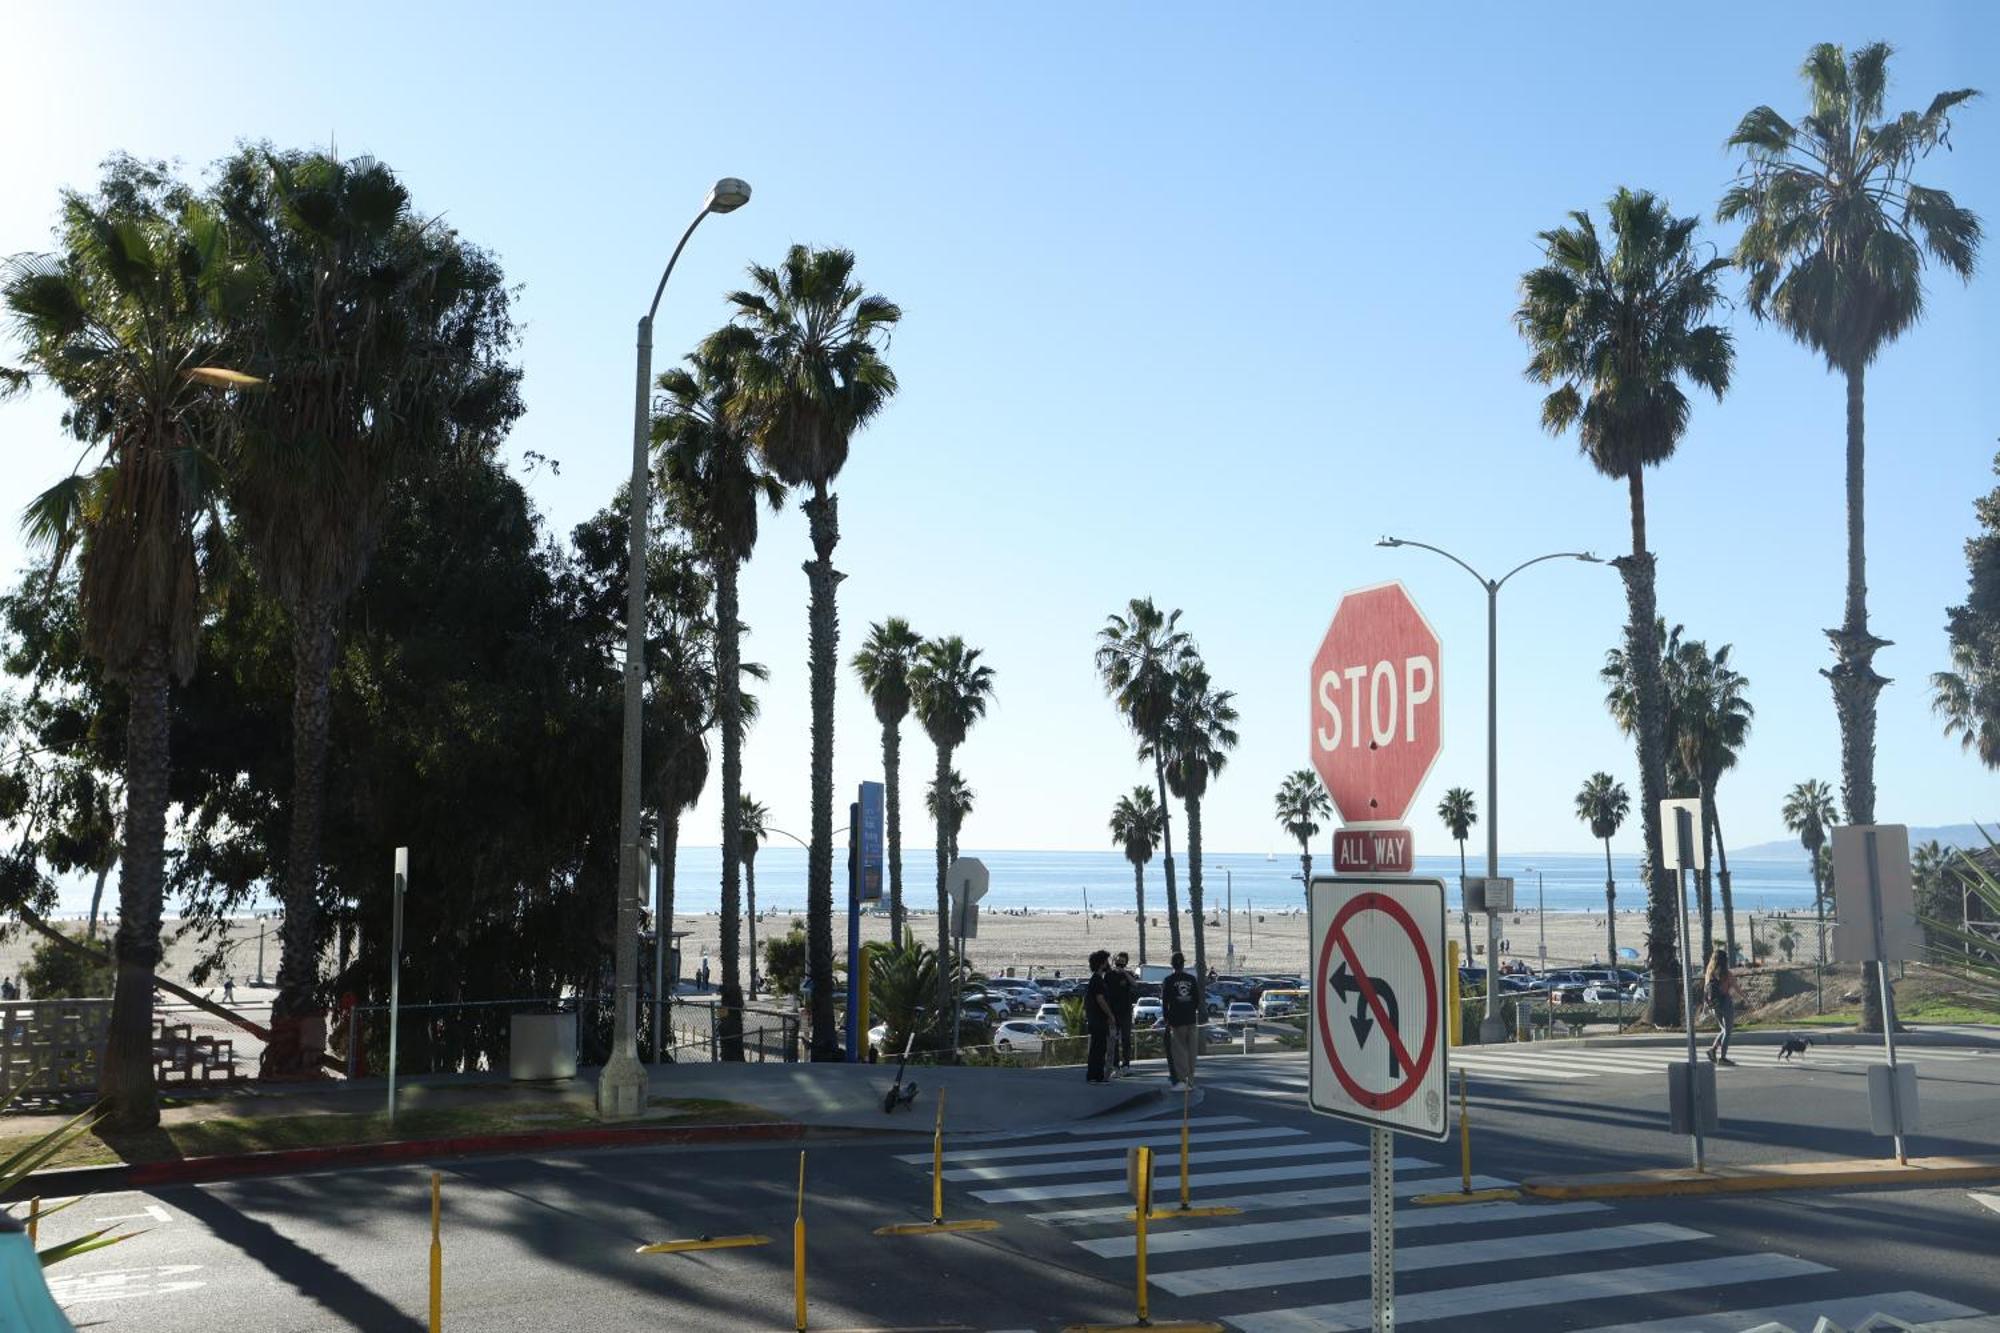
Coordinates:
[1854,939]
[966,879]
[1670,843]
[1377,1039]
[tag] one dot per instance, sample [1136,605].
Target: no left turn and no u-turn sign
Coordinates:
[1378,1042]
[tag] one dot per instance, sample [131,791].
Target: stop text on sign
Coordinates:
[1393,693]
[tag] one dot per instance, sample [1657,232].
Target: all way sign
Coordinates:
[1378,1057]
[1384,850]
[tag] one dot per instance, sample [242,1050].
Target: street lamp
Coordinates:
[1490,1029]
[1541,921]
[621,1088]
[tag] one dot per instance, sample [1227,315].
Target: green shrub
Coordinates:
[55,972]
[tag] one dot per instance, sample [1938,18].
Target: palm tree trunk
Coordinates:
[126,1080]
[823,517]
[1610,909]
[1464,912]
[892,765]
[1704,879]
[1855,682]
[1139,893]
[312,707]
[1167,857]
[97,899]
[1199,917]
[1722,879]
[667,840]
[946,969]
[1643,653]
[728,651]
[750,918]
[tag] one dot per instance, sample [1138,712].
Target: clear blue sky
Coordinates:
[1200,300]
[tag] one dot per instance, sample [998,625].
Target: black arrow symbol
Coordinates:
[1345,985]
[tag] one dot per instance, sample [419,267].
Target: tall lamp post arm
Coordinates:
[1553,555]
[1484,582]
[673,259]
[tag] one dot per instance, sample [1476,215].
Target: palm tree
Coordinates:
[713,472]
[1603,804]
[1200,733]
[1136,823]
[1788,938]
[1713,718]
[949,690]
[1301,803]
[1458,812]
[1968,699]
[384,340]
[1137,655]
[134,301]
[1810,812]
[884,667]
[1617,332]
[751,827]
[949,804]
[1834,240]
[814,377]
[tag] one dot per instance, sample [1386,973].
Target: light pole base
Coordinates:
[621,1088]
[1491,1032]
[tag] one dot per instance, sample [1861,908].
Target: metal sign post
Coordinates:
[853,934]
[1875,923]
[395,966]
[1882,983]
[1684,847]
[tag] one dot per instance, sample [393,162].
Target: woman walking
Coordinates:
[1719,989]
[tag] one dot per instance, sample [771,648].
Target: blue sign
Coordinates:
[869,871]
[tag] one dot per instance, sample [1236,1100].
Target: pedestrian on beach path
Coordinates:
[1124,988]
[1180,996]
[1098,1017]
[1719,988]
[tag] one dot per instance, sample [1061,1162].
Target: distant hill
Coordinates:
[1948,835]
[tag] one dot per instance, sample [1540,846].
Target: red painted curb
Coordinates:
[287,1161]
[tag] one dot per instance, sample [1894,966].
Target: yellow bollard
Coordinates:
[1143,1205]
[1184,1149]
[437,1257]
[1454,1028]
[799,1252]
[1464,1139]
[937,1165]
[34,1218]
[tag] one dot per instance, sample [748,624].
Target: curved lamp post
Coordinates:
[1490,1029]
[621,1088]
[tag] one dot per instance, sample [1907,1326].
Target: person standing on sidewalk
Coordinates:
[1180,996]
[1124,995]
[1719,989]
[1099,1019]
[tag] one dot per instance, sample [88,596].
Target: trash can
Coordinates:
[542,1047]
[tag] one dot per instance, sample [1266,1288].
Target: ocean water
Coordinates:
[1063,881]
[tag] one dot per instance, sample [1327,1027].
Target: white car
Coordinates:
[1051,1017]
[1147,1012]
[1019,1034]
[1240,1011]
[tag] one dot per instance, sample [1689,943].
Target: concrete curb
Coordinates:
[1839,1174]
[299,1161]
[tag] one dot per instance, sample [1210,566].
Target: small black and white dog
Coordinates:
[1793,1046]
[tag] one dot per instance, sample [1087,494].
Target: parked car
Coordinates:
[1052,1013]
[1019,1035]
[1146,1011]
[1273,1003]
[1240,1012]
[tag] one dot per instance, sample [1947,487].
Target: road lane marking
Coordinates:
[1413,1259]
[1476,1304]
[1228,1236]
[123,1284]
[152,1213]
[1260,1153]
[1196,1179]
[1912,1307]
[1312,1198]
[1169,1134]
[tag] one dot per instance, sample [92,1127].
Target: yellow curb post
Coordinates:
[1185,1210]
[799,1252]
[1464,1137]
[34,1218]
[1141,1206]
[437,1255]
[1454,1029]
[937,1225]
[703,1243]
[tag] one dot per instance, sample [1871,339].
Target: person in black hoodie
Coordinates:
[1180,997]
[1124,989]
[1099,1018]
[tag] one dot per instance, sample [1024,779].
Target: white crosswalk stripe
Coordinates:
[1303,1195]
[1538,1062]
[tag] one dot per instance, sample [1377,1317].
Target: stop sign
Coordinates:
[1375,704]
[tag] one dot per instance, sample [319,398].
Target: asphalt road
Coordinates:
[546,1244]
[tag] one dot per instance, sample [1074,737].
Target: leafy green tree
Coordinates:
[714,471]
[1136,825]
[1602,803]
[1200,733]
[1788,938]
[813,377]
[884,667]
[58,973]
[752,827]
[1810,812]
[1617,332]
[1967,697]
[949,801]
[384,340]
[785,962]
[1458,812]
[950,689]
[1836,231]
[1137,655]
[127,320]
[1300,804]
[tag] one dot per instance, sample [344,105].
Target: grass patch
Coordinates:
[229,1135]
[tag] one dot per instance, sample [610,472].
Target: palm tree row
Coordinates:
[950,689]
[1458,812]
[1603,803]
